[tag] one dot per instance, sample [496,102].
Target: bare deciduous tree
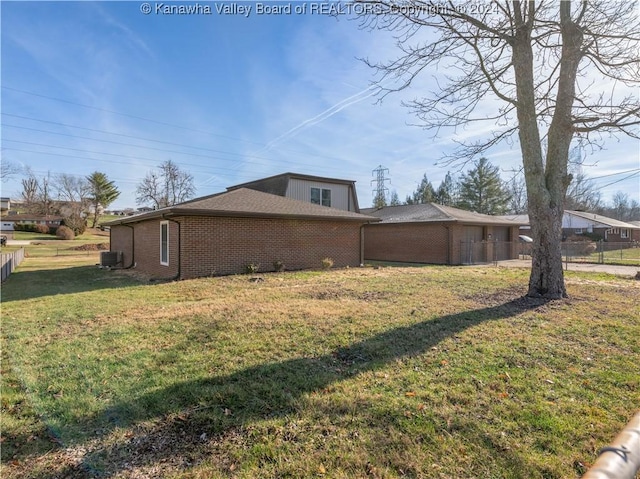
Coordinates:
[166,186]
[582,193]
[8,169]
[518,193]
[37,193]
[551,72]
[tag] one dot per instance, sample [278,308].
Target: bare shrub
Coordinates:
[65,233]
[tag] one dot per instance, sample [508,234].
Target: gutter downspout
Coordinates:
[448,243]
[133,246]
[362,242]
[179,274]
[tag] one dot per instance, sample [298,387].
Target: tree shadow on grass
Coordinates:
[23,285]
[185,416]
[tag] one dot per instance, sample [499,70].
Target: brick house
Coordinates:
[635,234]
[223,233]
[597,227]
[436,234]
[10,222]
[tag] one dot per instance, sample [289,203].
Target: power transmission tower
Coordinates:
[380,191]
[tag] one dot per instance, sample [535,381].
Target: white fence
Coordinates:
[10,261]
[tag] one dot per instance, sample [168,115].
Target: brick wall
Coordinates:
[434,243]
[407,242]
[219,246]
[121,239]
[228,245]
[146,252]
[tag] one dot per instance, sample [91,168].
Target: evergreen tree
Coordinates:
[102,193]
[423,194]
[380,200]
[446,192]
[395,201]
[482,190]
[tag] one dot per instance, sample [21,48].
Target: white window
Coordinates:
[578,231]
[321,196]
[164,243]
[624,234]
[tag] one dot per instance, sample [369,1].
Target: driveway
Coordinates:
[11,242]
[594,268]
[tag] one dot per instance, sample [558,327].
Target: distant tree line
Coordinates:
[80,200]
[481,189]
[75,198]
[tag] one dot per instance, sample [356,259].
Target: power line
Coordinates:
[137,117]
[164,150]
[128,115]
[637,173]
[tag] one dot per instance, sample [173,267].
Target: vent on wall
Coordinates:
[110,259]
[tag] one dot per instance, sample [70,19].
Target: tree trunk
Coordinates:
[547,276]
[547,181]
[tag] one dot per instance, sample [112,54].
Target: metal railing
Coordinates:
[620,459]
[602,252]
[483,252]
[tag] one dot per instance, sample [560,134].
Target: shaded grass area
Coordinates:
[390,372]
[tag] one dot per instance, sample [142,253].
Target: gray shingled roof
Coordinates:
[603,220]
[243,202]
[430,212]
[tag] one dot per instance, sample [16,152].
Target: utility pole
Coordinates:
[380,191]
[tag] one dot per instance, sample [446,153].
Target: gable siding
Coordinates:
[574,222]
[340,194]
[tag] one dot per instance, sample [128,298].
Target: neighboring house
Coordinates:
[635,234]
[576,223]
[5,204]
[223,233]
[597,226]
[340,194]
[430,233]
[6,225]
[9,222]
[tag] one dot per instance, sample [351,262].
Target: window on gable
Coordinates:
[164,243]
[315,196]
[321,196]
[326,197]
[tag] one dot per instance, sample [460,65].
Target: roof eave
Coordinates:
[175,212]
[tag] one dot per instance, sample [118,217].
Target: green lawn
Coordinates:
[89,235]
[391,372]
[51,246]
[623,256]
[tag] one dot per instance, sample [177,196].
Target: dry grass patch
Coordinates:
[381,373]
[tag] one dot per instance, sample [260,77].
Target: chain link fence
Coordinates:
[597,252]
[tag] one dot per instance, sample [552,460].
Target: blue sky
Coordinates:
[100,86]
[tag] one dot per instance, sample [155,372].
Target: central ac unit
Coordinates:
[110,259]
